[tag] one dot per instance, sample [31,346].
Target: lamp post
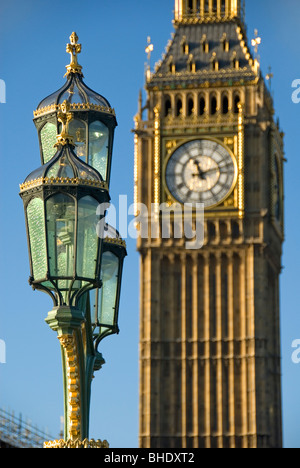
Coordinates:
[74,256]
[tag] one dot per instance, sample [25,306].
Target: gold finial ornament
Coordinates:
[149,50]
[270,76]
[256,41]
[64,117]
[73,48]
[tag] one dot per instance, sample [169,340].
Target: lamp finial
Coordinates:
[73,48]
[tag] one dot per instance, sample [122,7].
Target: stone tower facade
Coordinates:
[209,317]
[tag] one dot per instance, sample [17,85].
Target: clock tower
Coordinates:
[209,317]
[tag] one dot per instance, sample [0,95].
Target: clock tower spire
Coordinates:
[209,317]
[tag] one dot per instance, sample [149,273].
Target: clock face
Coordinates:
[201,171]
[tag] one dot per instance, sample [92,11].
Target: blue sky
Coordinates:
[33,36]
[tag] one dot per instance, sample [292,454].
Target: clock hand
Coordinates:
[217,168]
[200,173]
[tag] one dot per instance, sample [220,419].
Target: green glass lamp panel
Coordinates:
[77,129]
[60,213]
[36,226]
[108,292]
[98,147]
[48,140]
[87,238]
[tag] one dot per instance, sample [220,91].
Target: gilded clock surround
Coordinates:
[176,145]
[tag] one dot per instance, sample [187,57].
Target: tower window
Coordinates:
[235,63]
[223,2]
[235,230]
[236,104]
[191,65]
[190,106]
[206,6]
[225,43]
[211,230]
[204,44]
[184,46]
[178,107]
[201,106]
[214,6]
[223,230]
[214,63]
[168,106]
[213,105]
[205,47]
[226,46]
[225,105]
[172,66]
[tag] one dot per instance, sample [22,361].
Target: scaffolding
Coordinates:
[17,433]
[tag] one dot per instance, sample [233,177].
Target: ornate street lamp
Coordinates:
[77,260]
[61,200]
[93,122]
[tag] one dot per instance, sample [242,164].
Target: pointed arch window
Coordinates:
[213,105]
[234,61]
[171,65]
[178,107]
[225,43]
[204,44]
[190,106]
[184,46]
[191,65]
[214,62]
[211,231]
[236,102]
[225,105]
[168,106]
[202,105]
[235,229]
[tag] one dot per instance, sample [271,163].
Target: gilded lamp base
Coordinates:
[66,444]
